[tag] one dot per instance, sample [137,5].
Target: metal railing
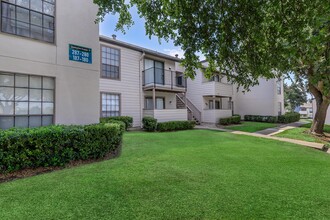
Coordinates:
[193,111]
[160,77]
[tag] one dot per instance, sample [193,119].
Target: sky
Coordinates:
[136,35]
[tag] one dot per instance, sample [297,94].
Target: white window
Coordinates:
[110,63]
[26,101]
[279,86]
[110,104]
[160,103]
[211,104]
[215,78]
[29,18]
[153,72]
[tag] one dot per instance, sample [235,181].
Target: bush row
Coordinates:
[287,118]
[175,126]
[128,121]
[56,145]
[260,118]
[235,119]
[150,124]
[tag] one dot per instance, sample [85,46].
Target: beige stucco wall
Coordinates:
[261,100]
[76,83]
[195,90]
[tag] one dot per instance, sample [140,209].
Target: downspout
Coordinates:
[140,87]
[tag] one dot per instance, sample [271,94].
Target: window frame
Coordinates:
[154,107]
[29,22]
[28,115]
[101,105]
[279,87]
[154,70]
[217,104]
[211,104]
[101,63]
[279,108]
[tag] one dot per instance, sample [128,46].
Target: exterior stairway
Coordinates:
[193,113]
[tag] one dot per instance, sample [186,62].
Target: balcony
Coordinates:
[217,89]
[163,80]
[163,115]
[213,115]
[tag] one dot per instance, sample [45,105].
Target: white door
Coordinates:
[160,103]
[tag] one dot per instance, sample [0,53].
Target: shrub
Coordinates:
[126,119]
[56,145]
[289,117]
[236,119]
[175,125]
[260,118]
[149,123]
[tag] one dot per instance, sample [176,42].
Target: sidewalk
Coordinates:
[279,129]
[314,145]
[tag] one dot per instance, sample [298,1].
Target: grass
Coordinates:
[301,133]
[250,126]
[194,174]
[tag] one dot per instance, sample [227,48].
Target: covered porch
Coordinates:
[216,107]
[163,106]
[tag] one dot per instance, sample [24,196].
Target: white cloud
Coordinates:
[180,52]
[173,52]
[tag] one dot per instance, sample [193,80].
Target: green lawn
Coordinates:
[196,174]
[302,134]
[250,126]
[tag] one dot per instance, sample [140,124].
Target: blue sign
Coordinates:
[80,54]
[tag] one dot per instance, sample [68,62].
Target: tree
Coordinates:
[243,39]
[294,95]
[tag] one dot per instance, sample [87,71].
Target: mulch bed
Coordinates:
[41,170]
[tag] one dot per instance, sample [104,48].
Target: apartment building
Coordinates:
[215,98]
[139,82]
[59,73]
[305,110]
[49,63]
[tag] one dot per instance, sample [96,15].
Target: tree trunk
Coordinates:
[322,104]
[320,116]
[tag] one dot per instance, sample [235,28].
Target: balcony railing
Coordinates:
[158,77]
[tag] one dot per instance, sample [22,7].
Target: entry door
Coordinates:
[160,103]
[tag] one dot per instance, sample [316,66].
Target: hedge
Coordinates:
[56,145]
[126,119]
[289,117]
[260,118]
[149,123]
[175,125]
[235,119]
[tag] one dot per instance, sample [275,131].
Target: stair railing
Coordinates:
[191,107]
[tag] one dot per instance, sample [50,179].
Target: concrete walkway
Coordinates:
[313,145]
[281,128]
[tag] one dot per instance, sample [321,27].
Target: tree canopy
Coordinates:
[294,95]
[243,39]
